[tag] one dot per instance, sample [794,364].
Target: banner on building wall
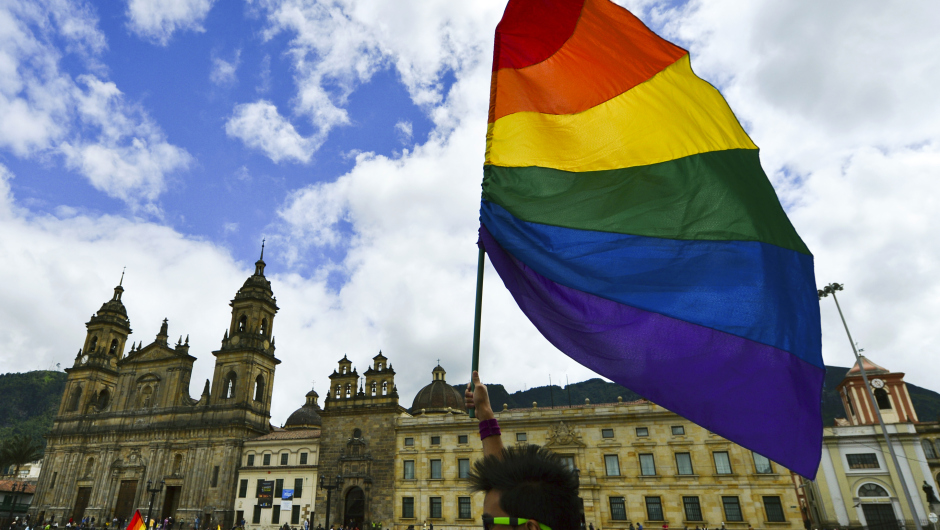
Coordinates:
[287,499]
[266,494]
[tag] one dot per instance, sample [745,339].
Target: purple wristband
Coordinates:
[489,428]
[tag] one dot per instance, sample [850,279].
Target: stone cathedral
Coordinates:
[127,418]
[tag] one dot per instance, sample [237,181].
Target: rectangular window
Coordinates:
[435,507]
[863,461]
[654,509]
[298,488]
[215,477]
[618,510]
[303,459]
[278,488]
[242,488]
[295,514]
[612,463]
[462,439]
[251,460]
[774,510]
[276,514]
[762,464]
[463,468]
[409,442]
[521,437]
[435,440]
[409,470]
[283,459]
[568,460]
[256,515]
[678,430]
[693,510]
[607,433]
[407,507]
[722,463]
[684,464]
[258,488]
[463,508]
[732,509]
[647,466]
[436,469]
[642,431]
[266,460]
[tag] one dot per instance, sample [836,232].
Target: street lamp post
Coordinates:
[338,482]
[824,292]
[13,493]
[153,493]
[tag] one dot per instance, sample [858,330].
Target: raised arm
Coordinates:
[478,399]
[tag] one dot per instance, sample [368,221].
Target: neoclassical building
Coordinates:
[857,484]
[127,419]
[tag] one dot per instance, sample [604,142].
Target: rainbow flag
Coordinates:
[137,522]
[626,210]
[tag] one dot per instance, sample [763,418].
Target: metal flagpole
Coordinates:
[475,360]
[831,289]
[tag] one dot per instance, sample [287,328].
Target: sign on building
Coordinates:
[266,495]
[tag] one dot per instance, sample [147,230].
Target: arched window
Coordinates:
[347,390]
[146,397]
[104,397]
[75,399]
[113,349]
[871,490]
[259,388]
[339,391]
[882,398]
[928,449]
[229,391]
[374,388]
[384,388]
[93,345]
[344,370]
[89,467]
[242,323]
[357,433]
[264,327]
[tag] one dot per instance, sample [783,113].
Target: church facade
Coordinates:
[127,423]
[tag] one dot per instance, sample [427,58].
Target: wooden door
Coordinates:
[170,502]
[124,509]
[81,502]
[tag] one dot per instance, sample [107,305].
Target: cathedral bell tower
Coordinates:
[244,366]
[93,377]
[890,393]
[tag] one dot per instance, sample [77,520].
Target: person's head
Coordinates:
[528,482]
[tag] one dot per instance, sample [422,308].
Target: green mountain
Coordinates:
[30,402]
[926,402]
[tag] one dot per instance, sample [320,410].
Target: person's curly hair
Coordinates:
[533,483]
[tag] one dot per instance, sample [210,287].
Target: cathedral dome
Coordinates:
[438,396]
[306,416]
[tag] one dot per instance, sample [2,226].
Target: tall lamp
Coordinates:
[337,483]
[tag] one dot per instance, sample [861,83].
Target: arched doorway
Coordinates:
[355,508]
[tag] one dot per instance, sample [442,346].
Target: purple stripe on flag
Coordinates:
[763,398]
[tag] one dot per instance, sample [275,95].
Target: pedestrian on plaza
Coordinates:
[631,526]
[639,526]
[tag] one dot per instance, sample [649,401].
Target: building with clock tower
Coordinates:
[127,419]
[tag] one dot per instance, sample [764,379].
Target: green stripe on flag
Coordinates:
[720,195]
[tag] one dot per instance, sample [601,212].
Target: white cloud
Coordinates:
[223,72]
[260,126]
[405,131]
[44,111]
[157,20]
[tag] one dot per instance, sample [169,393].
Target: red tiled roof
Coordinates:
[7,485]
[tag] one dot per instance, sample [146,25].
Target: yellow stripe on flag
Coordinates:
[673,115]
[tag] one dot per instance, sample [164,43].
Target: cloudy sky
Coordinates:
[170,137]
